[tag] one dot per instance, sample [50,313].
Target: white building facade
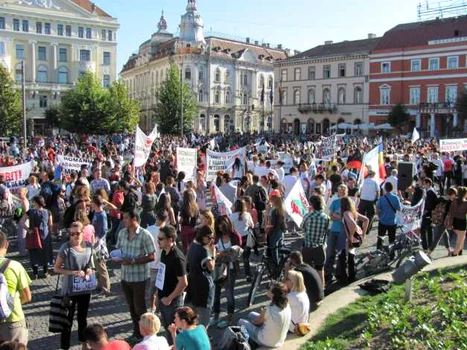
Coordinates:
[322,87]
[233,81]
[57,40]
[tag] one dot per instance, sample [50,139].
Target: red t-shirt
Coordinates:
[117,345]
[448,163]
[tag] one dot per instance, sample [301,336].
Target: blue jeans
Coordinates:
[252,330]
[229,284]
[335,244]
[168,315]
[275,241]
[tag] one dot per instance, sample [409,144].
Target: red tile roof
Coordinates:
[363,46]
[91,7]
[420,33]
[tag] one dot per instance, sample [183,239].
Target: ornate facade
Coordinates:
[233,81]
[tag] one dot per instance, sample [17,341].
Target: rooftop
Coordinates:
[91,7]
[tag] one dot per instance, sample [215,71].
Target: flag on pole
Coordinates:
[415,135]
[373,160]
[296,204]
[224,206]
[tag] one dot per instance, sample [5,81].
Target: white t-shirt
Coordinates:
[241,226]
[154,231]
[370,189]
[276,325]
[280,173]
[300,308]
[152,342]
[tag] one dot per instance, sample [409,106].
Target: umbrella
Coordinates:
[385,126]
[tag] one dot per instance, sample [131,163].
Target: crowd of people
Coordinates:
[177,253]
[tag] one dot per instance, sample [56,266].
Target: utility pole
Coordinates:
[23,100]
[181,101]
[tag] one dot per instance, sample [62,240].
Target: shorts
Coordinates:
[10,331]
[315,257]
[459,224]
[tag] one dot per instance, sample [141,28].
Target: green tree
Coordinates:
[52,116]
[124,111]
[461,105]
[10,105]
[169,98]
[398,116]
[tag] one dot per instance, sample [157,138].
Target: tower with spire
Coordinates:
[162,35]
[162,25]
[191,27]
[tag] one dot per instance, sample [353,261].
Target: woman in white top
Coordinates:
[33,187]
[149,326]
[238,169]
[298,299]
[243,224]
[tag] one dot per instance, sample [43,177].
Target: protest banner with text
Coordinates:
[16,176]
[69,164]
[222,161]
[187,161]
[452,145]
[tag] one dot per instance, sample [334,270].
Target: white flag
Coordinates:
[296,204]
[224,206]
[143,146]
[415,135]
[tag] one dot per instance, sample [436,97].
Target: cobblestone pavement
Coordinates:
[112,311]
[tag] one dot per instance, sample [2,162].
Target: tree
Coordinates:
[169,97]
[10,105]
[89,108]
[461,105]
[398,116]
[52,116]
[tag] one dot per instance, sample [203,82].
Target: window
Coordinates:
[432,94]
[201,74]
[433,64]
[80,32]
[2,22]
[68,30]
[16,25]
[217,97]
[296,97]
[43,101]
[106,80]
[109,35]
[311,96]
[103,34]
[187,73]
[62,55]
[414,96]
[18,73]
[342,70]
[63,75]
[60,29]
[358,95]
[311,73]
[284,97]
[2,48]
[227,77]
[386,67]
[84,55]
[245,79]
[297,73]
[284,75]
[39,27]
[358,69]
[218,75]
[227,97]
[200,96]
[451,95]
[270,83]
[327,97]
[19,51]
[25,25]
[88,33]
[327,72]
[453,62]
[385,95]
[245,99]
[47,28]
[261,81]
[106,58]
[42,53]
[41,76]
[415,65]
[341,96]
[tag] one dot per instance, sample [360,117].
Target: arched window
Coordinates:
[245,99]
[358,95]
[311,126]
[227,97]
[327,97]
[200,96]
[217,124]
[227,76]
[63,75]
[261,81]
[188,73]
[218,75]
[41,76]
[270,82]
[217,97]
[296,97]
[341,96]
[311,96]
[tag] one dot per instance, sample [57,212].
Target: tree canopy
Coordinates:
[398,116]
[168,107]
[10,105]
[461,105]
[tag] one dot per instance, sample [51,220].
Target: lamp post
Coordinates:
[23,100]
[181,100]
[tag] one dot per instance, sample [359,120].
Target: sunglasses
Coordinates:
[75,234]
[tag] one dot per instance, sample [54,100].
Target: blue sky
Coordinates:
[297,24]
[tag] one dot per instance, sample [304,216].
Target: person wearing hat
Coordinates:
[369,194]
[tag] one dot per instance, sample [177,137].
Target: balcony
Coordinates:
[438,107]
[317,107]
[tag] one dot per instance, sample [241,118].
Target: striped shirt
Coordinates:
[315,225]
[140,245]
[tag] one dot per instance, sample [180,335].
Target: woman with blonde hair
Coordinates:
[149,326]
[22,208]
[298,299]
[206,219]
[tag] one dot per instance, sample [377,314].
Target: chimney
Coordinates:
[296,52]
[263,44]
[256,42]
[371,36]
[267,45]
[247,40]
[328,42]
[279,46]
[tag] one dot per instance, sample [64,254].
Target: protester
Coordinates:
[387,207]
[457,219]
[96,337]
[149,326]
[298,299]
[369,194]
[101,254]
[188,216]
[243,224]
[148,205]
[275,228]
[22,208]
[191,336]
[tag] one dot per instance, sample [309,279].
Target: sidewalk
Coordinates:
[345,296]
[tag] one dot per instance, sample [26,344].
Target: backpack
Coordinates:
[234,338]
[7,301]
[438,214]
[260,199]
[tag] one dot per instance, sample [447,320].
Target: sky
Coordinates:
[296,24]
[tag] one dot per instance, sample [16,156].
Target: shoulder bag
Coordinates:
[58,312]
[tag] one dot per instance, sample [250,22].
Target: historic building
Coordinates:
[323,86]
[57,40]
[232,80]
[422,65]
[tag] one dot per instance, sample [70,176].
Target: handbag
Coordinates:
[301,329]
[33,240]
[58,312]
[250,239]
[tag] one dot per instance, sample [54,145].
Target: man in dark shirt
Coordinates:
[335,178]
[171,279]
[313,283]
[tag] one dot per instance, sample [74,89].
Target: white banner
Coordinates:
[187,161]
[69,164]
[296,204]
[288,161]
[328,147]
[143,146]
[452,145]
[224,206]
[222,161]
[16,176]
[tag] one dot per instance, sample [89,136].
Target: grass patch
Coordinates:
[435,319]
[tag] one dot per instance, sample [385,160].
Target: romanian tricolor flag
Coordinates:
[382,169]
[373,160]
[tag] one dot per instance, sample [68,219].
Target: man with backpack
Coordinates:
[14,288]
